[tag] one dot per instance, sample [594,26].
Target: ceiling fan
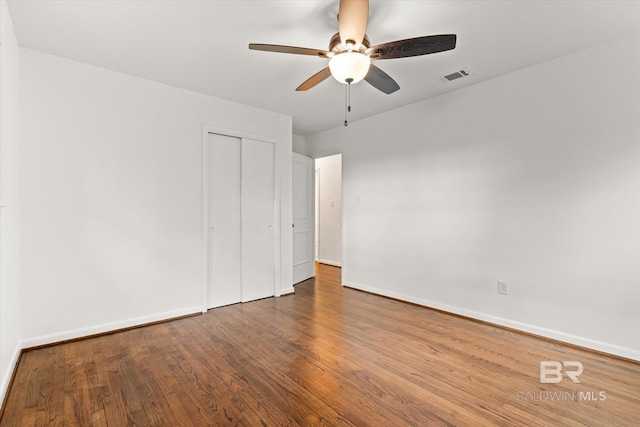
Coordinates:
[350,52]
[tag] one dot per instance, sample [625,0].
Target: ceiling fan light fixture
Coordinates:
[349,67]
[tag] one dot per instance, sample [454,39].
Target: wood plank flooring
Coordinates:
[326,355]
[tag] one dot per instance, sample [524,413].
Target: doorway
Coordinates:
[328,210]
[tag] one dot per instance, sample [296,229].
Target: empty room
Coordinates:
[305,213]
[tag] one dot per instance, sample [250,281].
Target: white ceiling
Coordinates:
[202,45]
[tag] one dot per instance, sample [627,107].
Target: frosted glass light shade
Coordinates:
[349,65]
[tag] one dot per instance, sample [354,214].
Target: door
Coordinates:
[223,199]
[240,220]
[303,218]
[258,219]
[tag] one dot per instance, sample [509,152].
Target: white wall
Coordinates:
[532,177]
[299,145]
[111,181]
[330,209]
[9,199]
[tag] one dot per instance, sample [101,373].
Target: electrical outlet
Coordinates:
[503,287]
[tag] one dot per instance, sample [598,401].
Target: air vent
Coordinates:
[455,76]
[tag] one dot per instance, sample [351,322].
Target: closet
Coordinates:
[240,219]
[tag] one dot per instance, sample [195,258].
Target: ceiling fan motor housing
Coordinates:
[336,46]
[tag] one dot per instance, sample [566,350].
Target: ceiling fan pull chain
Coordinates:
[345,106]
[347,102]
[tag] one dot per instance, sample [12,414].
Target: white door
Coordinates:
[258,219]
[223,199]
[240,220]
[303,218]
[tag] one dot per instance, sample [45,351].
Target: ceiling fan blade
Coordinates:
[413,47]
[289,49]
[318,77]
[352,21]
[381,80]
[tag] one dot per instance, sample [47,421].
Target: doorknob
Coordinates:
[269,227]
[211,228]
[293,225]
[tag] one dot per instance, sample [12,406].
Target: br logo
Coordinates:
[551,371]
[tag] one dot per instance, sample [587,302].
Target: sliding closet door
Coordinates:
[241,220]
[224,220]
[258,219]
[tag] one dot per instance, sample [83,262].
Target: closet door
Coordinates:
[258,219]
[223,198]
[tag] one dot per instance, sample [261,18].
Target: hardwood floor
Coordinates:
[326,355]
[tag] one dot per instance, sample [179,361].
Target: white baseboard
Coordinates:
[11,367]
[604,347]
[107,327]
[328,262]
[287,291]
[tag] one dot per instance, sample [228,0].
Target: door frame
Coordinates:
[206,130]
[328,153]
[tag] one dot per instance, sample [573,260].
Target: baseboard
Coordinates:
[588,343]
[328,262]
[8,375]
[107,327]
[287,291]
